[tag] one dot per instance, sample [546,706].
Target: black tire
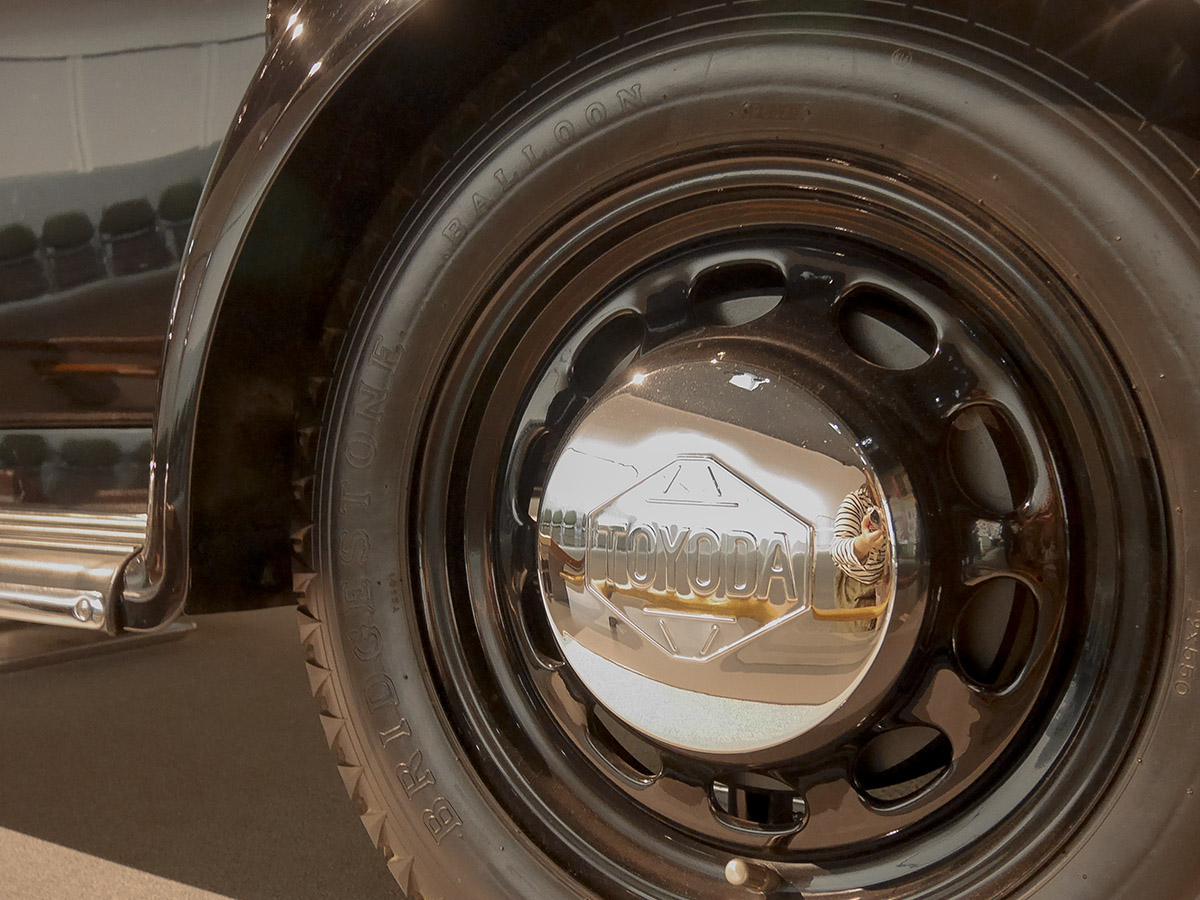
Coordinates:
[1018,131]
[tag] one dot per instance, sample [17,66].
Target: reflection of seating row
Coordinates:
[132,237]
[91,468]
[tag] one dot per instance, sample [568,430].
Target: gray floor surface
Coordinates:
[182,771]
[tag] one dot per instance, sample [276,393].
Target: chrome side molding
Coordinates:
[64,568]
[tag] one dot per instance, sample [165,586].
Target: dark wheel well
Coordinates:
[286,277]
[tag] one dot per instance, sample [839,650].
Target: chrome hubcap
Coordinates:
[686,542]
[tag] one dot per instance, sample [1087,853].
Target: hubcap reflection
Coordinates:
[689,551]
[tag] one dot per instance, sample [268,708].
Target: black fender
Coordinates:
[293,183]
[314,49]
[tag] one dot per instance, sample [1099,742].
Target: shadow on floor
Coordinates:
[199,760]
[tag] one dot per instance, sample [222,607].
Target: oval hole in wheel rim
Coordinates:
[988,459]
[737,293]
[885,330]
[632,756]
[608,350]
[746,801]
[995,632]
[902,762]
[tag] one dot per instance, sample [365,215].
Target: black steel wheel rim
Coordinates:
[544,339]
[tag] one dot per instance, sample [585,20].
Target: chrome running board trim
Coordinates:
[50,606]
[64,568]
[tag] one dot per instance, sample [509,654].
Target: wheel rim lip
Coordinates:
[1052,735]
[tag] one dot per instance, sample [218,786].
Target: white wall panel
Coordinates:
[37,118]
[142,105]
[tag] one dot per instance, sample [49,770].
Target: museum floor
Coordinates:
[188,770]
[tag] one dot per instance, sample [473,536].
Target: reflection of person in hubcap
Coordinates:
[859,551]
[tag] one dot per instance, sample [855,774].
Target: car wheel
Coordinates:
[621,348]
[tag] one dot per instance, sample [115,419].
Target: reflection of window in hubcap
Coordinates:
[686,535]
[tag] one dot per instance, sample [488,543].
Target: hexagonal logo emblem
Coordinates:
[698,559]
